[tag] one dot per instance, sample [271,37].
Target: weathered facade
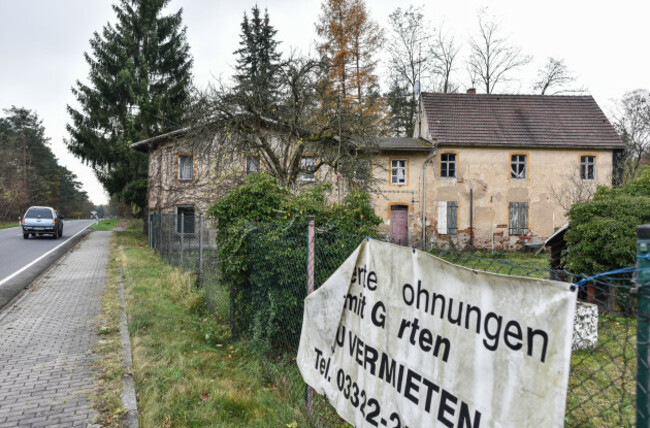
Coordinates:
[483,170]
[499,170]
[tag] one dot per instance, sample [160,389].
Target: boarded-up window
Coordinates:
[518,218]
[185,167]
[447,218]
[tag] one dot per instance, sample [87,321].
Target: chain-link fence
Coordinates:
[265,307]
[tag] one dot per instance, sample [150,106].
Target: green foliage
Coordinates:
[139,87]
[262,240]
[602,236]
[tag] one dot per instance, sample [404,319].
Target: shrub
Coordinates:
[602,236]
[263,251]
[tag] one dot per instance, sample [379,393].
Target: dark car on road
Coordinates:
[39,221]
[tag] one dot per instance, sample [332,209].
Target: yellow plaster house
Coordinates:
[482,170]
[494,170]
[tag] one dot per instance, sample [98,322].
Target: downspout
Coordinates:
[471,217]
[424,195]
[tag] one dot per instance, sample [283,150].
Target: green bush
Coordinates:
[602,236]
[262,240]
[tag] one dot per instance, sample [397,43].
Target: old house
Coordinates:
[499,170]
[482,170]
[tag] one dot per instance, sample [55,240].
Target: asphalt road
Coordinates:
[22,260]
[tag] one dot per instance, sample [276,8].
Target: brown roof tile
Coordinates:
[518,120]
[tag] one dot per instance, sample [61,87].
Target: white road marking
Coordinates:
[38,259]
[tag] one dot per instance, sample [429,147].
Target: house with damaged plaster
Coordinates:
[482,170]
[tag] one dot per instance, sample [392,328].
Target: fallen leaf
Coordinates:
[204,395]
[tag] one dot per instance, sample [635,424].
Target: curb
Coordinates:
[129,400]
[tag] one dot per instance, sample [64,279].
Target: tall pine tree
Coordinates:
[258,64]
[139,86]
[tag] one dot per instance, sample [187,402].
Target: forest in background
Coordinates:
[30,173]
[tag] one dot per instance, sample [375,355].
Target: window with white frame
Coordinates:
[185,167]
[448,165]
[588,167]
[252,164]
[362,171]
[518,166]
[308,167]
[398,172]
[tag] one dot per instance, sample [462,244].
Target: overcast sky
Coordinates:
[42,42]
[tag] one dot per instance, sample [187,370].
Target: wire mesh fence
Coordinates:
[265,307]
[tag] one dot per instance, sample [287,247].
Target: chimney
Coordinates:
[471,91]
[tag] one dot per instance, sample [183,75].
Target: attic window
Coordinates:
[518,166]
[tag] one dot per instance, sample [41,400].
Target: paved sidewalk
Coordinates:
[46,341]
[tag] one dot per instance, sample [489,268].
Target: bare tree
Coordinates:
[632,121]
[492,59]
[444,52]
[574,189]
[555,77]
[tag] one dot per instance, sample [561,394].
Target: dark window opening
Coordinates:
[448,165]
[185,217]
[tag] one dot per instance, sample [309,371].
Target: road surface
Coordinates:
[22,259]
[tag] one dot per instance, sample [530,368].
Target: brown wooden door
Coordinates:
[399,224]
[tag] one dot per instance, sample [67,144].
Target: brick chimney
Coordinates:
[471,91]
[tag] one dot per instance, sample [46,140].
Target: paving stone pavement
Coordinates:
[46,342]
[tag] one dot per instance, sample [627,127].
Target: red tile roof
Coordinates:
[519,120]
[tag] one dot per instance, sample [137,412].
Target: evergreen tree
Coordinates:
[258,64]
[402,106]
[139,85]
[29,171]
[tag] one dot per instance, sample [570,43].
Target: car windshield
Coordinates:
[39,212]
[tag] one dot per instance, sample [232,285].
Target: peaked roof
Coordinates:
[518,120]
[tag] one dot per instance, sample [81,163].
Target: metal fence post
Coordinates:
[182,240]
[311,254]
[643,323]
[200,250]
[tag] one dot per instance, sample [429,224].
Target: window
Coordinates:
[398,172]
[39,212]
[185,218]
[185,167]
[448,165]
[447,218]
[518,218]
[518,166]
[588,167]
[252,164]
[362,171]
[307,165]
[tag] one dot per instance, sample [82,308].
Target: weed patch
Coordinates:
[187,369]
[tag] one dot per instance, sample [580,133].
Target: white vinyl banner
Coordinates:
[399,338]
